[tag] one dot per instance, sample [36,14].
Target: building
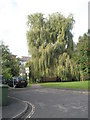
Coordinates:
[24,59]
[23,70]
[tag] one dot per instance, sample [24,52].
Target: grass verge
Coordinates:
[83,85]
[29,84]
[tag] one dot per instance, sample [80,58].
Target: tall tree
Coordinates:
[48,38]
[81,57]
[10,64]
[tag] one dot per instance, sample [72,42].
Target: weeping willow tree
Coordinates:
[50,42]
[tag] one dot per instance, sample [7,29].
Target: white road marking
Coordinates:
[32,111]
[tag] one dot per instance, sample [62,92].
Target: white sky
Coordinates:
[13,18]
[89,15]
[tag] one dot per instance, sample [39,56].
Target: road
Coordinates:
[53,103]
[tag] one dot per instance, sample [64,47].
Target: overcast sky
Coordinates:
[89,15]
[13,18]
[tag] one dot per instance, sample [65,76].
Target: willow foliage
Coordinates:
[50,42]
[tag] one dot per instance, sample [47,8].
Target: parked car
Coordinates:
[17,82]
[2,80]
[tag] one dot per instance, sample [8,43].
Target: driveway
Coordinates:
[53,103]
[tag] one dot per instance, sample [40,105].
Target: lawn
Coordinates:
[83,85]
[29,84]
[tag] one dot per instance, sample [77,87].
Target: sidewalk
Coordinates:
[13,108]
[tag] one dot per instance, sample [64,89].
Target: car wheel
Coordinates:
[25,85]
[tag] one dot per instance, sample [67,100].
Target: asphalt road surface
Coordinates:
[54,103]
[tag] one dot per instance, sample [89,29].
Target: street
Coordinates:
[53,103]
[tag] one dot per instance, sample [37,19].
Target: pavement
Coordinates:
[48,102]
[54,103]
[13,108]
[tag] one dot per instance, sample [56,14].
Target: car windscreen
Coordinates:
[19,78]
[22,78]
